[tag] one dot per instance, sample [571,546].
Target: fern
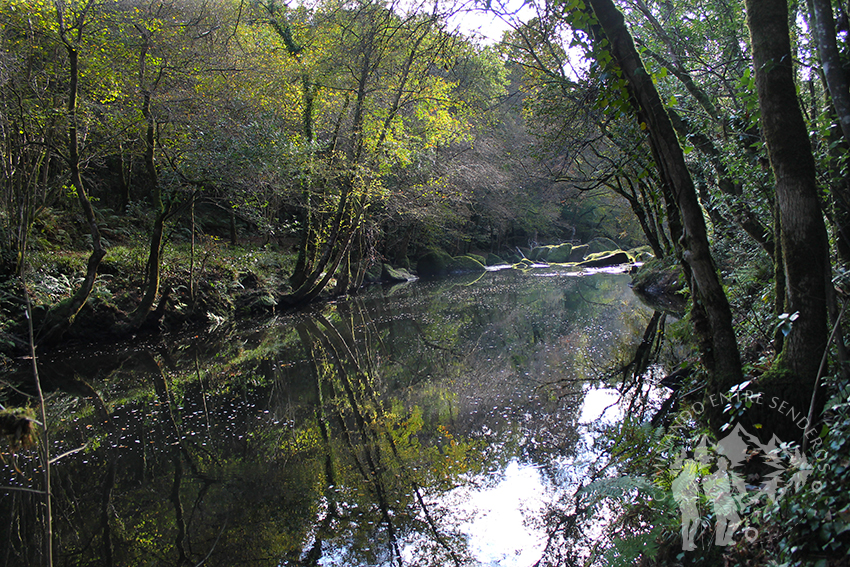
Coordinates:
[626,551]
[619,488]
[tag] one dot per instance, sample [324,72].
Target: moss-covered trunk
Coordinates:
[805,252]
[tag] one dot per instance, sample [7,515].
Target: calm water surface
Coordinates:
[433,423]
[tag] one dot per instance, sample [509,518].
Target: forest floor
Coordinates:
[200,285]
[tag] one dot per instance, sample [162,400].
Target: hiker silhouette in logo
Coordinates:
[719,489]
[686,494]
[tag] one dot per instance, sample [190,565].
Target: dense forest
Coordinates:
[168,163]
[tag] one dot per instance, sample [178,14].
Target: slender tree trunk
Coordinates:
[743,216]
[641,214]
[179,513]
[60,317]
[153,268]
[836,75]
[306,246]
[124,168]
[838,85]
[234,241]
[45,438]
[804,238]
[192,255]
[105,511]
[723,358]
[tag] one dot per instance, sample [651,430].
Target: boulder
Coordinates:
[373,273]
[493,260]
[395,275]
[481,259]
[465,265]
[539,253]
[660,283]
[433,264]
[601,244]
[578,253]
[605,259]
[641,254]
[560,254]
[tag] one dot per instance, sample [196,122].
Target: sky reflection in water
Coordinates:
[434,419]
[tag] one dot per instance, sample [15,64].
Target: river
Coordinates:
[430,423]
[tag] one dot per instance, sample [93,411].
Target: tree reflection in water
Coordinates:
[383,430]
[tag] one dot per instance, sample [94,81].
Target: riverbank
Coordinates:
[210,281]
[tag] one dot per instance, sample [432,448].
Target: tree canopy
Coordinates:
[363,132]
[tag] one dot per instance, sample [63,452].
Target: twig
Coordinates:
[16,390]
[68,453]
[821,369]
[215,543]
[48,502]
[20,489]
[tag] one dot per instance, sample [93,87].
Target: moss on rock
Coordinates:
[433,264]
[601,244]
[560,254]
[642,254]
[395,275]
[577,253]
[539,254]
[465,265]
[661,284]
[481,259]
[493,260]
[606,259]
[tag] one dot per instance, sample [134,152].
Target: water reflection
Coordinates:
[432,424]
[501,517]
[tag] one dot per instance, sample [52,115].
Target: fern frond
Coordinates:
[619,488]
[625,552]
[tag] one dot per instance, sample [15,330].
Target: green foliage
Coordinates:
[627,551]
[813,520]
[623,488]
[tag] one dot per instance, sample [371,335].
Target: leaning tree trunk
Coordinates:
[723,357]
[60,317]
[805,248]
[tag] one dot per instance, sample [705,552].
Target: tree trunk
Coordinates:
[830,57]
[723,359]
[234,241]
[804,239]
[125,165]
[192,254]
[153,268]
[838,85]
[61,316]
